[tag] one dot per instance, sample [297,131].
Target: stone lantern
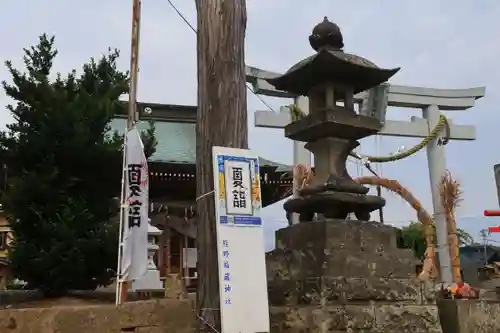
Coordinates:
[328,273]
[330,78]
[151,281]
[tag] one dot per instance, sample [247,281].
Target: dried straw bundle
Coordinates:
[451,196]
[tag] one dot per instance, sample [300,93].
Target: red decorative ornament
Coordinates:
[493,229]
[488,212]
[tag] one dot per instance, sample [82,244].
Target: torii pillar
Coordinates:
[429,100]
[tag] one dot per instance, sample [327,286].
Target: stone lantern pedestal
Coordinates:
[329,274]
[151,281]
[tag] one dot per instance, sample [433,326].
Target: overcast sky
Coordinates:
[438,43]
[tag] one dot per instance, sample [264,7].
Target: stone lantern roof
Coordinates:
[331,64]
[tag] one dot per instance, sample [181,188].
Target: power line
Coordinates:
[183,17]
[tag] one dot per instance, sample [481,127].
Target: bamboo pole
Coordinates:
[122,286]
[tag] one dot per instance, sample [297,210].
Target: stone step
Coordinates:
[373,318]
[335,290]
[296,263]
[396,264]
[338,234]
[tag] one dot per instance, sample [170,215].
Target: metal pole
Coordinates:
[437,167]
[485,246]
[379,191]
[381,210]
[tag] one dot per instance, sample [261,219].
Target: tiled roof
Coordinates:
[476,253]
[176,142]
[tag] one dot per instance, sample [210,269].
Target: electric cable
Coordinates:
[183,17]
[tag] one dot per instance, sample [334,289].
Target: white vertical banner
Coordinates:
[134,261]
[240,241]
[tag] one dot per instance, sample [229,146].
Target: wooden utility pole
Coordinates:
[221,121]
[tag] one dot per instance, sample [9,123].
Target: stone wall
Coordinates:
[9,297]
[337,276]
[137,317]
[374,318]
[469,316]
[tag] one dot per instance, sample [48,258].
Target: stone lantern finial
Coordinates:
[326,35]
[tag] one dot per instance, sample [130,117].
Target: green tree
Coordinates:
[412,237]
[64,170]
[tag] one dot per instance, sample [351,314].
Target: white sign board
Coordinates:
[240,241]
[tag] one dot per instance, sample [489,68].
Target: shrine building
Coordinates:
[172,170]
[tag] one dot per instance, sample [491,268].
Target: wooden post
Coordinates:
[161,253]
[134,64]
[168,259]
[221,121]
[168,251]
[186,267]
[181,259]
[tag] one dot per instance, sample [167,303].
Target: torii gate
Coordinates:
[430,101]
